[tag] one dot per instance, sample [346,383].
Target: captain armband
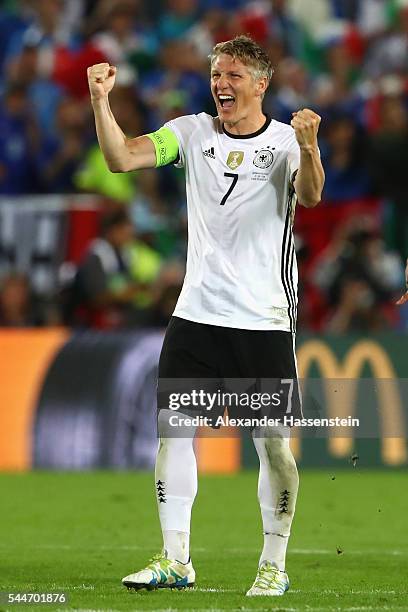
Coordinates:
[166,145]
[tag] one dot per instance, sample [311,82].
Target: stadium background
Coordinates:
[78,356]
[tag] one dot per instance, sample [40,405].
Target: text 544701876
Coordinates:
[32,598]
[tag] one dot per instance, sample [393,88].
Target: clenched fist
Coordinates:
[101,79]
[306,125]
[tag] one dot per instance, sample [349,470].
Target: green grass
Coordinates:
[82,532]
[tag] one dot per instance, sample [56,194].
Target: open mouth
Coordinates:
[226,101]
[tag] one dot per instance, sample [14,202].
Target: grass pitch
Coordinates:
[81,533]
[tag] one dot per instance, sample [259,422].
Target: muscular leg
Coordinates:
[277,491]
[176,484]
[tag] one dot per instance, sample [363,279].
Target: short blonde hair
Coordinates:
[248,52]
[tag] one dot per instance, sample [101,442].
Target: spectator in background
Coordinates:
[44,95]
[344,153]
[182,70]
[50,56]
[179,16]
[167,290]
[292,91]
[18,143]
[305,316]
[123,39]
[62,151]
[372,16]
[357,264]
[117,283]
[103,292]
[46,28]
[311,17]
[389,162]
[18,306]
[12,22]
[388,53]
[277,52]
[337,84]
[207,31]
[283,27]
[357,309]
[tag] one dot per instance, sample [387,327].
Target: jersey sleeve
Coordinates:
[293,157]
[182,128]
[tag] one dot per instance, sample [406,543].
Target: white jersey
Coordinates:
[241,263]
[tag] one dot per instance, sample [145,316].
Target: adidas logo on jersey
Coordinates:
[209,153]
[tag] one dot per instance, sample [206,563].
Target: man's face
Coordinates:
[234,89]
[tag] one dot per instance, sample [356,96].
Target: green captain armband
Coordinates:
[166,145]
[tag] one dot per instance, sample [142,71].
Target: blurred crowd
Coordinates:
[346,59]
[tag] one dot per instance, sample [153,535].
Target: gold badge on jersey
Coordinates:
[235,159]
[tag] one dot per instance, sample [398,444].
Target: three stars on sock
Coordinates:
[161,495]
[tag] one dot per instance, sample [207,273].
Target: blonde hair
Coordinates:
[248,52]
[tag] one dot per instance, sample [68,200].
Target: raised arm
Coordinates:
[309,180]
[122,154]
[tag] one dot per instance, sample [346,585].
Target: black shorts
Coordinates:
[210,357]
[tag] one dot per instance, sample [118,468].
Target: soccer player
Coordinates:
[236,313]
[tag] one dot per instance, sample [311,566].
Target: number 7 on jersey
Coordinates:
[234,182]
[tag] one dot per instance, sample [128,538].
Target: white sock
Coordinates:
[274,550]
[176,485]
[277,492]
[177,545]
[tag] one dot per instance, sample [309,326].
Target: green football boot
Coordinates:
[269,581]
[162,573]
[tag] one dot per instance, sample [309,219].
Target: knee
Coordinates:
[171,424]
[173,439]
[164,427]
[278,455]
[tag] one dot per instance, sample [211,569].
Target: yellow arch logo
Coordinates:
[393,450]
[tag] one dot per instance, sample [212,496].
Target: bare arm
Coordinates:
[309,180]
[403,299]
[122,154]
